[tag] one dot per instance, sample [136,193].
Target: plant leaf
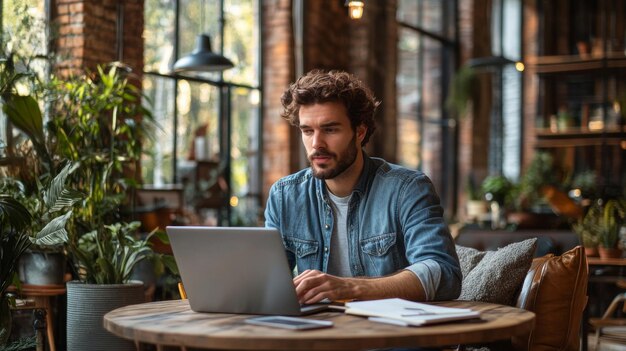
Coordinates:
[54,232]
[13,213]
[24,113]
[67,199]
[57,185]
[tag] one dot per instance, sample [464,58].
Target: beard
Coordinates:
[344,160]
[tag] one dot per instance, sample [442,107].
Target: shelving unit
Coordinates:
[575,85]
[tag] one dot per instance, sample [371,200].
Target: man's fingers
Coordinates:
[303,275]
[307,283]
[316,297]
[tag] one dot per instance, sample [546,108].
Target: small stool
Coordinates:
[41,295]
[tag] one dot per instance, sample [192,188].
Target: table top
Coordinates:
[597,261]
[173,323]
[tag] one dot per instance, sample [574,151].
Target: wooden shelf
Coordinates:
[569,63]
[573,137]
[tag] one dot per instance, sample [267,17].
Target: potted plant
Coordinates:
[100,122]
[51,207]
[611,219]
[538,199]
[14,219]
[587,232]
[539,174]
[96,122]
[476,204]
[497,190]
[602,225]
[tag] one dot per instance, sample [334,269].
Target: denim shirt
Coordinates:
[394,222]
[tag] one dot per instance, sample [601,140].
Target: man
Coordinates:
[356,227]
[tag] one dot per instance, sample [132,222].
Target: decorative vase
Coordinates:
[612,252]
[42,268]
[5,320]
[86,306]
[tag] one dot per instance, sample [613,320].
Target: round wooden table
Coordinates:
[174,323]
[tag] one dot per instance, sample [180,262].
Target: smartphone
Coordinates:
[289,322]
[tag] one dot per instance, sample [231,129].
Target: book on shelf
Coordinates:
[407,313]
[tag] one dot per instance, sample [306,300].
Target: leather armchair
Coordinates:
[555,289]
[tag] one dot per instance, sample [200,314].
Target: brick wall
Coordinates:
[88,34]
[280,143]
[374,58]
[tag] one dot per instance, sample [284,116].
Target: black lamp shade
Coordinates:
[489,62]
[202,58]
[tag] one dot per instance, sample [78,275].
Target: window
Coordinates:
[23,25]
[206,117]
[506,118]
[426,62]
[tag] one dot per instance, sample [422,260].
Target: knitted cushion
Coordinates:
[495,276]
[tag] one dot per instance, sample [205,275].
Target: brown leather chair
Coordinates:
[555,289]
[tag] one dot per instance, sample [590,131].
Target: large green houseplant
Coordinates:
[97,122]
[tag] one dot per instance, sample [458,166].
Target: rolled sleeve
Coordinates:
[429,247]
[429,274]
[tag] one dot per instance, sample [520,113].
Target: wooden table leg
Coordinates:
[44,303]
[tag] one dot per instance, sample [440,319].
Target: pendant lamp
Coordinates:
[202,58]
[355,8]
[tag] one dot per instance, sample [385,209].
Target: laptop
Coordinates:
[236,270]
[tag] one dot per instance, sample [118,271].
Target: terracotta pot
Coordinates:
[609,252]
[591,251]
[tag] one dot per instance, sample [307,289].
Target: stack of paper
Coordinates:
[407,313]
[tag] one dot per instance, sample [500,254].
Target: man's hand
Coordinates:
[313,286]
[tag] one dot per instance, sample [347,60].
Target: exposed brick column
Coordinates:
[326,36]
[280,146]
[373,57]
[88,34]
[475,41]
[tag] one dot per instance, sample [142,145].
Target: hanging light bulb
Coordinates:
[355,8]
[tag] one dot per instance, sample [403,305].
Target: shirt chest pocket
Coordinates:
[300,247]
[378,245]
[378,256]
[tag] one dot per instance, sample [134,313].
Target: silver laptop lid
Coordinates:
[234,270]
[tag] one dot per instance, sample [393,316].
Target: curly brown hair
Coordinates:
[320,86]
